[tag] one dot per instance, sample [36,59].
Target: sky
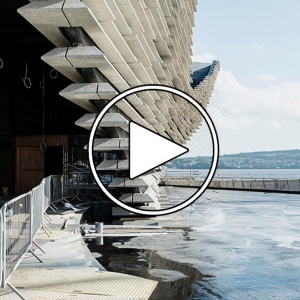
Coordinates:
[256,100]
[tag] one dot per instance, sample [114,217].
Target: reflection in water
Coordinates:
[204,292]
[248,241]
[176,285]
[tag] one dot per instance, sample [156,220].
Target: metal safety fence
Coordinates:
[69,186]
[16,238]
[37,209]
[79,185]
[22,217]
[20,220]
[56,188]
[47,191]
[78,182]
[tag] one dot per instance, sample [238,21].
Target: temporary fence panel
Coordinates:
[37,209]
[47,192]
[16,235]
[56,188]
[71,184]
[79,184]
[20,220]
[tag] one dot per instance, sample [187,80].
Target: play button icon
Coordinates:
[148,150]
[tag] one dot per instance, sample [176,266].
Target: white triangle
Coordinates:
[148,150]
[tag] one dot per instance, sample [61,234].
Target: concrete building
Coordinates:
[105,47]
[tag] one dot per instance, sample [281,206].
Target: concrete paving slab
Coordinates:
[83,283]
[56,234]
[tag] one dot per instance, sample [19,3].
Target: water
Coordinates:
[236,173]
[230,245]
[177,278]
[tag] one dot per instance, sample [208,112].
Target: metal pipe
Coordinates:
[16,291]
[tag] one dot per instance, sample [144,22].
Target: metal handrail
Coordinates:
[80,168]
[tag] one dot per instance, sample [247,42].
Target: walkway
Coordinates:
[69,269]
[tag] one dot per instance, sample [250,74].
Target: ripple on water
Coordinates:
[166,275]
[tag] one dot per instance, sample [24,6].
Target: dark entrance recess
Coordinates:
[26,114]
[54,161]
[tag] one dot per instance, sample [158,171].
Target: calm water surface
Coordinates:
[228,245]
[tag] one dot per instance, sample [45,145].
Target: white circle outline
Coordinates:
[210,126]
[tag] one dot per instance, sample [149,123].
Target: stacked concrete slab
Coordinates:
[108,46]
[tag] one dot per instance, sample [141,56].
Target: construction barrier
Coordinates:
[22,217]
[47,192]
[78,184]
[56,188]
[16,237]
[20,220]
[37,209]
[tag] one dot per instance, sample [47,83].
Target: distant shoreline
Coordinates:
[286,159]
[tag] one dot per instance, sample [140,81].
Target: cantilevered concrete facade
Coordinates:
[108,46]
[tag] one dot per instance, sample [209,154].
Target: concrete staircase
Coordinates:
[106,47]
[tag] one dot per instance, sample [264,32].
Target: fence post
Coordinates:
[4,246]
[31,215]
[62,186]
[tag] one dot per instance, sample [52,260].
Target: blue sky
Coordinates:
[257,95]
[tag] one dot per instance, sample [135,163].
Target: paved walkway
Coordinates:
[84,284]
[69,269]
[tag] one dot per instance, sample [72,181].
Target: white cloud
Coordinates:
[278,100]
[258,46]
[206,57]
[265,77]
[257,119]
[273,125]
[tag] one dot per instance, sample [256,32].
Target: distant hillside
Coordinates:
[282,159]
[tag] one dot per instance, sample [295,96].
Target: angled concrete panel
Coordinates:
[110,144]
[113,165]
[127,183]
[136,198]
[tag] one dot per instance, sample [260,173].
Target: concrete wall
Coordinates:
[282,185]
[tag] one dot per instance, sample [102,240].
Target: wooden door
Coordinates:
[30,160]
[31,168]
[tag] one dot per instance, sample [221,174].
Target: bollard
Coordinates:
[99,240]
[99,227]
